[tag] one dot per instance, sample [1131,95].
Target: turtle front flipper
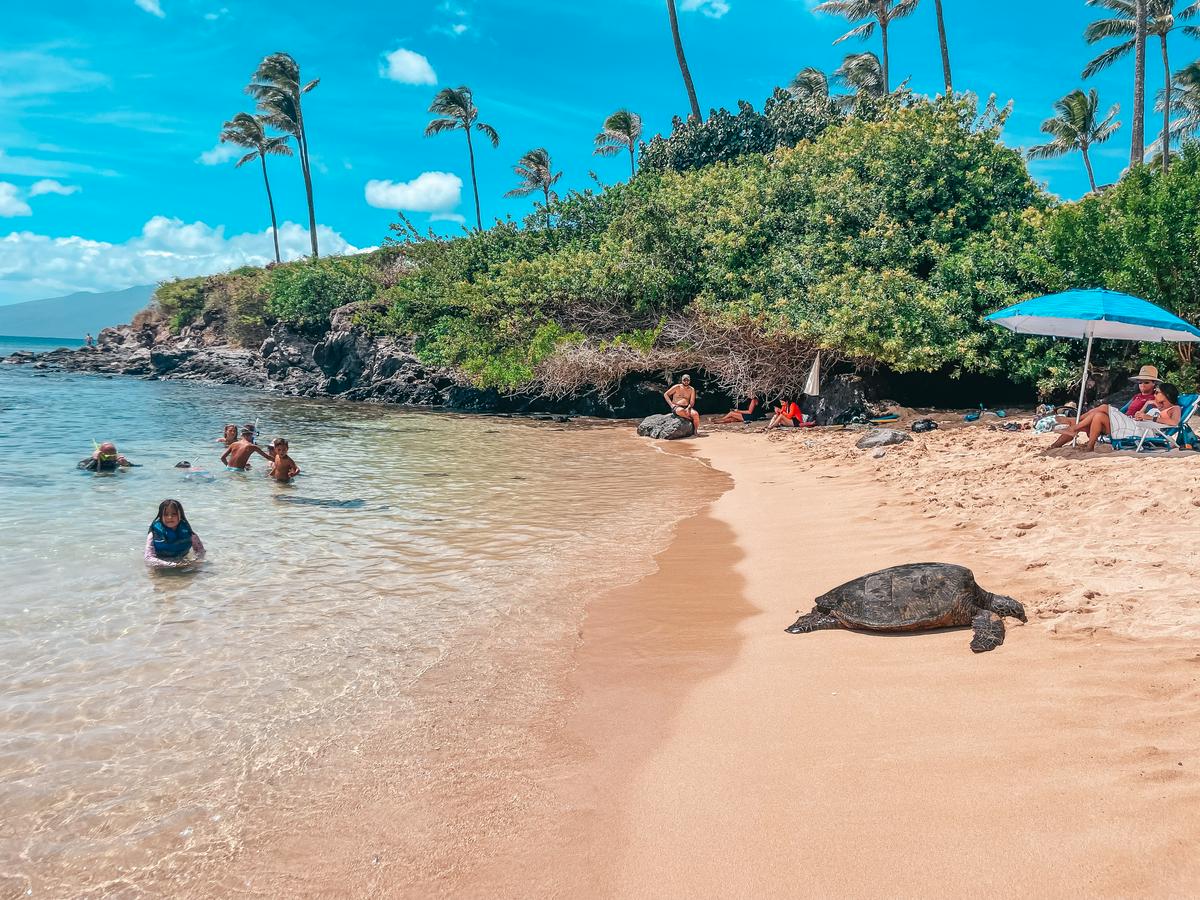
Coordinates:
[989,631]
[813,621]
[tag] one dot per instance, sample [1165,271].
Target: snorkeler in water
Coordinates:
[105,459]
[283,467]
[237,454]
[170,540]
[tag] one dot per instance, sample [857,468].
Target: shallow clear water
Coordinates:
[140,711]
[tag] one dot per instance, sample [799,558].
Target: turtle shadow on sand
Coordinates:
[914,597]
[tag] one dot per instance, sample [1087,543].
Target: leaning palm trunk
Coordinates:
[1087,164]
[271,206]
[474,182]
[1165,140]
[1137,150]
[304,167]
[941,26]
[683,66]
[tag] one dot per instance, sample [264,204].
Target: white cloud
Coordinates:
[151,6]
[448,217]
[37,73]
[50,186]
[407,67]
[11,203]
[222,153]
[37,265]
[714,9]
[213,16]
[432,192]
[458,19]
[45,168]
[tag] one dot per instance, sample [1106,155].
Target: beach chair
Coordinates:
[1130,435]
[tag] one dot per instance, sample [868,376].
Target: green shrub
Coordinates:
[181,300]
[306,292]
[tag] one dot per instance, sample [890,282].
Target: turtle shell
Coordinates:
[905,598]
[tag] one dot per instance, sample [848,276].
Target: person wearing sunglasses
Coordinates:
[1163,408]
[105,459]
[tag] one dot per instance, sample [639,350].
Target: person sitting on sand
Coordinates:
[283,468]
[787,413]
[170,538]
[752,413]
[230,435]
[237,454]
[105,459]
[1146,380]
[682,400]
[1164,410]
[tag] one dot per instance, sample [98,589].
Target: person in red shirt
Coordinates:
[1146,380]
[787,413]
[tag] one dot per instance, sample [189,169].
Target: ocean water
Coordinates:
[147,718]
[10,343]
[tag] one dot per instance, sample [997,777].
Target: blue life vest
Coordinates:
[171,543]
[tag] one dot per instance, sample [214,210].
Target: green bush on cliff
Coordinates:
[306,292]
[181,300]
[884,240]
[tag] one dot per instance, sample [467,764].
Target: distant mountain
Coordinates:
[75,315]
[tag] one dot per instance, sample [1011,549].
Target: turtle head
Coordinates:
[1005,606]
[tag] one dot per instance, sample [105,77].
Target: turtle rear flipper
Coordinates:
[813,621]
[989,631]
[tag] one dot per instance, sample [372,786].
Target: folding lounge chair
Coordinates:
[1129,435]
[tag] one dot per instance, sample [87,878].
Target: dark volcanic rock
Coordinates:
[665,427]
[842,398]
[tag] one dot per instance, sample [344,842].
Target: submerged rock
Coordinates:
[667,427]
[882,437]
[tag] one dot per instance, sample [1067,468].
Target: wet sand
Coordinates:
[684,745]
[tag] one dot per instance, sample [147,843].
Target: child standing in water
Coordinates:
[170,538]
[237,454]
[283,467]
[229,437]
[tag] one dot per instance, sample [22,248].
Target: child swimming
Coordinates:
[237,454]
[170,540]
[283,468]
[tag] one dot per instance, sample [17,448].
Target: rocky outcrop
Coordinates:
[842,399]
[665,427]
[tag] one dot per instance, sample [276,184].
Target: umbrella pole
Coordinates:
[1083,384]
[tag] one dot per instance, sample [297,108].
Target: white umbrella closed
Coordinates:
[812,387]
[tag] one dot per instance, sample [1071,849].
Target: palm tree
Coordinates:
[245,130]
[1075,126]
[622,131]
[1161,21]
[1137,146]
[937,6]
[879,13]
[456,109]
[277,87]
[863,74]
[536,172]
[683,66]
[810,84]
[1185,103]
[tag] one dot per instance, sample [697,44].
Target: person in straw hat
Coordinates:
[1146,379]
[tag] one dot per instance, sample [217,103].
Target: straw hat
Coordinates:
[1146,373]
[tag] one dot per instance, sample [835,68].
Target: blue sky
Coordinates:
[110,109]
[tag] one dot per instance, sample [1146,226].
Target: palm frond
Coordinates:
[249,157]
[437,126]
[489,132]
[810,82]
[1108,57]
[863,31]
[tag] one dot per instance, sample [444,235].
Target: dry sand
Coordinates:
[1065,763]
[700,751]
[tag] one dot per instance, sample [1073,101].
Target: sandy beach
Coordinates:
[693,748]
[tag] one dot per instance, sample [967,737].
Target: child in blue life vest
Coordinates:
[171,541]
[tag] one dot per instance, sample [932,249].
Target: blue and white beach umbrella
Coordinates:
[1095,313]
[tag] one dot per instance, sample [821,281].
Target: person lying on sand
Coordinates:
[1164,410]
[237,454]
[751,413]
[230,435]
[283,467]
[787,414]
[170,538]
[682,400]
[105,459]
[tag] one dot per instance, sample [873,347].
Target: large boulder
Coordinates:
[882,437]
[667,427]
[842,398]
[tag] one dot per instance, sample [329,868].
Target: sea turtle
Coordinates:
[914,597]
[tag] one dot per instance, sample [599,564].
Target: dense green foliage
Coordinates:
[882,240]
